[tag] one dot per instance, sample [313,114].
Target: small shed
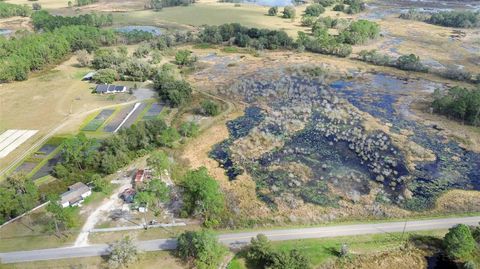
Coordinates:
[75,195]
[89,76]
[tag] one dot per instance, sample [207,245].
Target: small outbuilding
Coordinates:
[109,88]
[89,76]
[128,195]
[75,195]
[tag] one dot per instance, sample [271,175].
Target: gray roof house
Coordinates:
[75,195]
[108,88]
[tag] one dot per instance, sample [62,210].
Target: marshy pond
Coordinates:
[325,141]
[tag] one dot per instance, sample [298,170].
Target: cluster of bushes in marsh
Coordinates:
[10,10]
[80,3]
[321,42]
[412,62]
[243,36]
[460,19]
[357,32]
[459,103]
[160,4]
[347,6]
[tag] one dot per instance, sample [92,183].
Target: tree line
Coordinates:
[459,19]
[160,4]
[320,42]
[34,51]
[42,20]
[11,10]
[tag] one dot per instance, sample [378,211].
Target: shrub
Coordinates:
[413,14]
[314,10]
[83,58]
[200,248]
[262,254]
[105,76]
[289,12]
[210,108]
[410,62]
[325,3]
[339,7]
[184,57]
[202,197]
[459,243]
[36,6]
[359,32]
[376,58]
[462,19]
[459,103]
[174,91]
[189,129]
[355,6]
[124,252]
[273,11]
[308,20]
[10,10]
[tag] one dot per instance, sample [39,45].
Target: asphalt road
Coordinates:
[240,239]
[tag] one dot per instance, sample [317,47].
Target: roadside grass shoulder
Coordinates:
[319,251]
[156,259]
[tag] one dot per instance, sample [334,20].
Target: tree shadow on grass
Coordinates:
[426,242]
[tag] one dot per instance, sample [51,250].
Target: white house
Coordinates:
[75,195]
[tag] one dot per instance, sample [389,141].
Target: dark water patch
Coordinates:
[45,150]
[237,128]
[117,120]
[454,167]
[26,167]
[47,169]
[440,261]
[153,111]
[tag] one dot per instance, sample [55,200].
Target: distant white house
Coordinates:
[108,88]
[75,195]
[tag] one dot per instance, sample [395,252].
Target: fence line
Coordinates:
[28,212]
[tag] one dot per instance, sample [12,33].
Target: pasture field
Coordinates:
[211,14]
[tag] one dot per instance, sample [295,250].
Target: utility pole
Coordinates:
[404,228]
